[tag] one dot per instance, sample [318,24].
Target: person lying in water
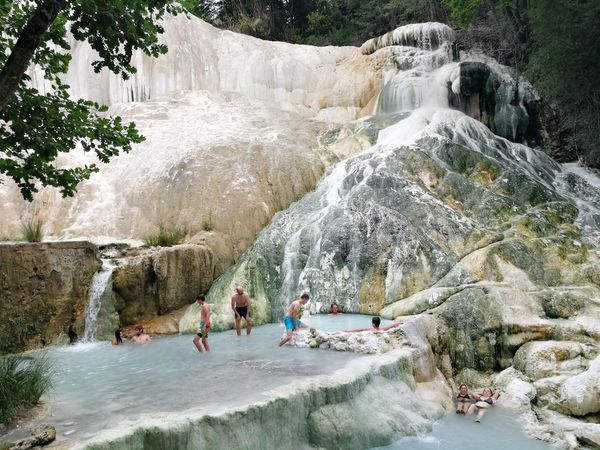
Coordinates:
[375,322]
[484,400]
[464,400]
[140,337]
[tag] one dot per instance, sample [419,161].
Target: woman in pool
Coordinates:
[118,340]
[335,310]
[484,400]
[464,400]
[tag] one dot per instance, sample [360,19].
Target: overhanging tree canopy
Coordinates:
[36,127]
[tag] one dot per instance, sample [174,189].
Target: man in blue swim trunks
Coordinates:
[291,318]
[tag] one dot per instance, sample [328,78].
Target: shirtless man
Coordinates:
[140,337]
[375,322]
[240,303]
[204,325]
[291,318]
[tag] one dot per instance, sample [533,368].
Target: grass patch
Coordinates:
[166,237]
[207,224]
[23,380]
[32,230]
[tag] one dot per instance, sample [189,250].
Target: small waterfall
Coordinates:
[582,186]
[99,291]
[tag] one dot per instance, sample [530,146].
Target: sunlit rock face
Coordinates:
[205,58]
[231,126]
[413,211]
[440,216]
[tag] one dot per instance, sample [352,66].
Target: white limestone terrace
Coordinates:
[224,114]
[202,57]
[426,36]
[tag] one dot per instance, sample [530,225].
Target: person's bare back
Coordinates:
[293,308]
[205,314]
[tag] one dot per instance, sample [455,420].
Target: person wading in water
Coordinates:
[240,303]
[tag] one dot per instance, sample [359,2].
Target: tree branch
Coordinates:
[29,40]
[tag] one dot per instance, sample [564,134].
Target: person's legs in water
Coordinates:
[299,324]
[205,340]
[197,342]
[480,414]
[289,329]
[238,325]
[472,409]
[248,324]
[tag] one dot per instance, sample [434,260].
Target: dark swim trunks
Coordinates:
[207,329]
[242,311]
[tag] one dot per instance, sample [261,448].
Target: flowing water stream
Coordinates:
[100,295]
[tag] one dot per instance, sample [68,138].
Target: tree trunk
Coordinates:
[29,40]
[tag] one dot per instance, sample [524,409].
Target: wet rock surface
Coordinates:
[44,291]
[157,281]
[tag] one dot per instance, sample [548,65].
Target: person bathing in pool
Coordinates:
[118,340]
[375,322]
[335,310]
[240,303]
[140,337]
[204,325]
[291,318]
[463,400]
[484,400]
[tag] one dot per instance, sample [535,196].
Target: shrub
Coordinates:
[207,224]
[23,380]
[166,237]
[32,231]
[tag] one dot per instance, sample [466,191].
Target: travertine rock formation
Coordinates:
[43,292]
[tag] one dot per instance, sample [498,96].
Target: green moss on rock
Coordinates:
[561,305]
[474,320]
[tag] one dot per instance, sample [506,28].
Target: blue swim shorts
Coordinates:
[289,323]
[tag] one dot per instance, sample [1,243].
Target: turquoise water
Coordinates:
[498,430]
[98,386]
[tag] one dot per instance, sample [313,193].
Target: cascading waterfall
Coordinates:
[437,185]
[100,292]
[582,186]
